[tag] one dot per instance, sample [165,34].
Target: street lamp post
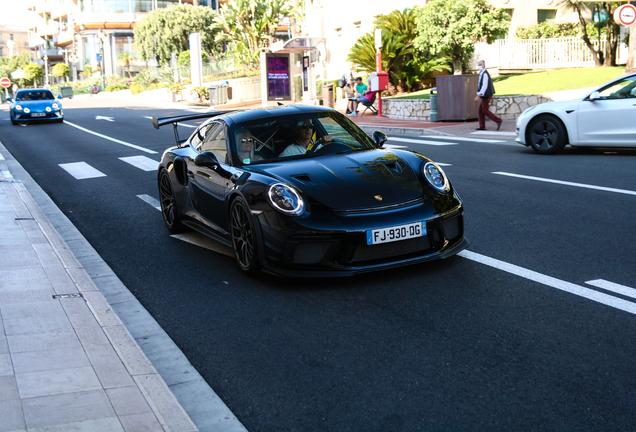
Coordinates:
[100,37]
[46,70]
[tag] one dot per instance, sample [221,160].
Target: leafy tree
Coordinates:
[606,54]
[249,25]
[33,71]
[61,70]
[167,30]
[125,60]
[8,65]
[453,27]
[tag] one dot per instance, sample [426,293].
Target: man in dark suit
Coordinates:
[485,92]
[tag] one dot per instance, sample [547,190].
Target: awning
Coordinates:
[297,45]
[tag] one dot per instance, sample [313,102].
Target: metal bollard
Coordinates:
[434,104]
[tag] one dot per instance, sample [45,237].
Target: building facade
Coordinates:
[14,40]
[92,33]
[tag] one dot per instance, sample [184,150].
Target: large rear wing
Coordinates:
[158,122]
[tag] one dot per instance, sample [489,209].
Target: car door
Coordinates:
[209,186]
[610,118]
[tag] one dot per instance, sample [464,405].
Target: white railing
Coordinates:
[539,54]
[245,89]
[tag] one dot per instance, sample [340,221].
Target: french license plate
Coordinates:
[38,114]
[396,233]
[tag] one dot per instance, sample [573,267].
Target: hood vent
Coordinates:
[303,178]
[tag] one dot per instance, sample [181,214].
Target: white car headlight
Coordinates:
[55,106]
[26,110]
[286,199]
[48,109]
[18,107]
[436,176]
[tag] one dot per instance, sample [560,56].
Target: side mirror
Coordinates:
[594,96]
[379,138]
[9,99]
[59,96]
[206,159]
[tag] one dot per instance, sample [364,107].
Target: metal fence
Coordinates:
[537,54]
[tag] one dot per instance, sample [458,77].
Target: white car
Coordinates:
[605,117]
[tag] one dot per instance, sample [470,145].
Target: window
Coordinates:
[625,88]
[11,36]
[215,142]
[546,15]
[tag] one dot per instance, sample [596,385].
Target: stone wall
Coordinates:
[506,107]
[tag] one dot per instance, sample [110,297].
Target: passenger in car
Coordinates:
[303,133]
[245,146]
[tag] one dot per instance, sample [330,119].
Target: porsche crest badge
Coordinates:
[378,197]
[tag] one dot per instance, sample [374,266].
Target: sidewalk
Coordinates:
[66,360]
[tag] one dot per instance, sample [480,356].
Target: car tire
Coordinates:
[546,135]
[168,203]
[244,239]
[13,122]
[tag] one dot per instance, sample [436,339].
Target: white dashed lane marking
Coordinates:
[568,287]
[614,287]
[141,162]
[82,170]
[566,183]
[455,138]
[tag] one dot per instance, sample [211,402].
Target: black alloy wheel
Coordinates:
[546,135]
[169,205]
[243,236]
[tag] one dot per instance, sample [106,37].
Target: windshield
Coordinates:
[295,136]
[34,95]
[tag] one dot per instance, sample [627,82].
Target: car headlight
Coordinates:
[55,106]
[26,110]
[18,107]
[48,109]
[436,176]
[286,199]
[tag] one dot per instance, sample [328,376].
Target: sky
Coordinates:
[14,12]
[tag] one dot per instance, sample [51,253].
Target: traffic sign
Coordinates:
[625,15]
[5,82]
[99,57]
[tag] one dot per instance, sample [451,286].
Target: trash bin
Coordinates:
[434,104]
[212,94]
[328,97]
[66,92]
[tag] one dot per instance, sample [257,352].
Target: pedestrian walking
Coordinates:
[485,91]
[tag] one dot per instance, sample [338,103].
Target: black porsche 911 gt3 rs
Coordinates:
[302,191]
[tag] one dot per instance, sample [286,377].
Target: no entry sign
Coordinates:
[5,82]
[625,15]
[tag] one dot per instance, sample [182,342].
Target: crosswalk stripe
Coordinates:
[81,170]
[150,200]
[141,162]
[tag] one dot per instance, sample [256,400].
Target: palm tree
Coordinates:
[125,59]
[404,63]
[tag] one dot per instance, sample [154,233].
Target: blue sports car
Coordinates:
[35,104]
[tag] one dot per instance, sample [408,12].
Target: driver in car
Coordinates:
[303,133]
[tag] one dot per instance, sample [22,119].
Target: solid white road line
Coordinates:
[150,200]
[614,287]
[81,170]
[581,185]
[111,139]
[391,146]
[418,141]
[568,287]
[454,138]
[141,162]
